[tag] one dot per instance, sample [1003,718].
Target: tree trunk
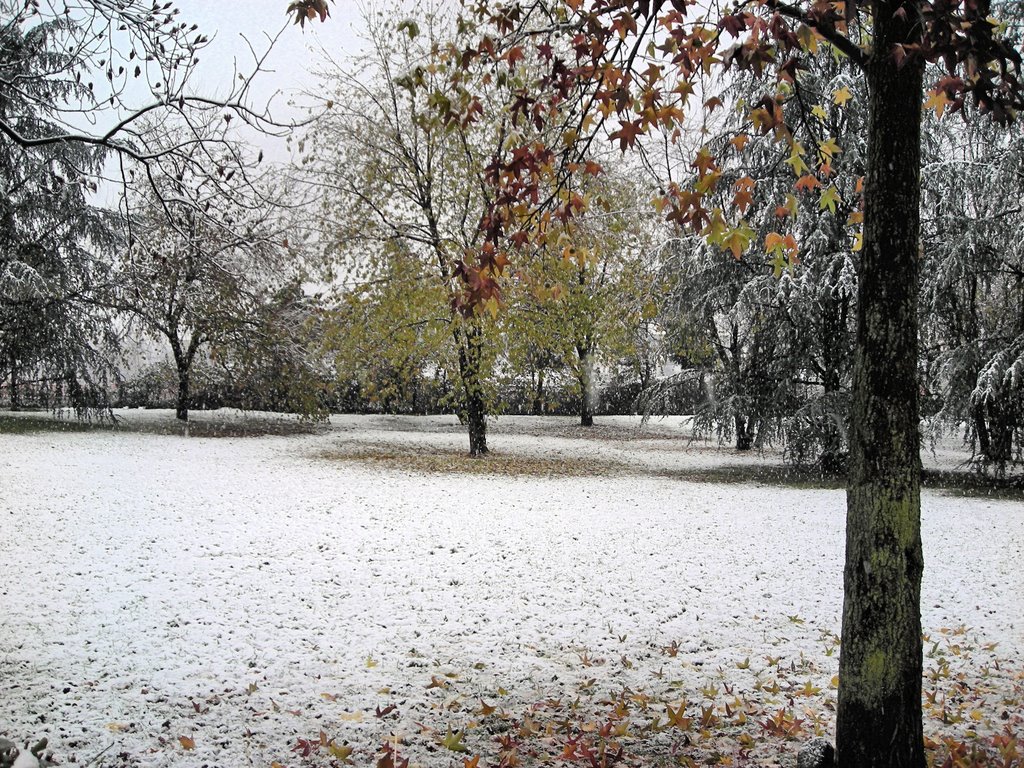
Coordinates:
[537,408]
[880,666]
[469,340]
[183,365]
[981,429]
[15,393]
[182,403]
[744,439]
[586,379]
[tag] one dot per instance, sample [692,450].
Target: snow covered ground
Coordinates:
[170,600]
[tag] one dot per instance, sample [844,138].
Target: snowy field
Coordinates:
[251,600]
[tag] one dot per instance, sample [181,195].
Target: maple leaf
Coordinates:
[738,239]
[829,198]
[744,196]
[677,717]
[937,100]
[740,141]
[807,183]
[452,741]
[627,133]
[486,709]
[828,149]
[437,682]
[342,753]
[842,96]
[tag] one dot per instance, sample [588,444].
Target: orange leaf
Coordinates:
[186,742]
[807,182]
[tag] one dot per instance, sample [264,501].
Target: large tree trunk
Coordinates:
[469,339]
[880,666]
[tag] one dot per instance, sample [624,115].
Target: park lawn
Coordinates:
[361,592]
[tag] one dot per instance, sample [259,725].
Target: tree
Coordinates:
[198,281]
[639,63]
[53,242]
[83,85]
[973,285]
[578,303]
[765,320]
[402,184]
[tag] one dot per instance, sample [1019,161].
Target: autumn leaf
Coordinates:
[829,198]
[342,753]
[828,149]
[842,96]
[186,742]
[937,100]
[744,196]
[807,183]
[627,133]
[738,239]
[452,741]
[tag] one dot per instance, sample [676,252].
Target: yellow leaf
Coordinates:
[842,96]
[829,148]
[351,717]
[808,38]
[371,662]
[117,727]
[938,101]
[829,198]
[342,753]
[819,112]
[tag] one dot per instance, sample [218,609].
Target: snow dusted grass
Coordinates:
[250,600]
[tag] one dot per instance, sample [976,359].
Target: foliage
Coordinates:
[973,287]
[53,340]
[223,285]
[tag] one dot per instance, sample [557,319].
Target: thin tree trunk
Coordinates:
[586,379]
[15,394]
[538,395]
[182,403]
[880,666]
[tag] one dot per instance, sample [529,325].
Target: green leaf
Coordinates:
[410,27]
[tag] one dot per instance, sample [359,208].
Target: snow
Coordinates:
[245,591]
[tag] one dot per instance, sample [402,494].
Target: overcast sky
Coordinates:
[294,55]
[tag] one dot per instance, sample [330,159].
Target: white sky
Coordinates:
[230,24]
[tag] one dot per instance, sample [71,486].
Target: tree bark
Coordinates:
[469,340]
[586,379]
[744,438]
[880,666]
[537,408]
